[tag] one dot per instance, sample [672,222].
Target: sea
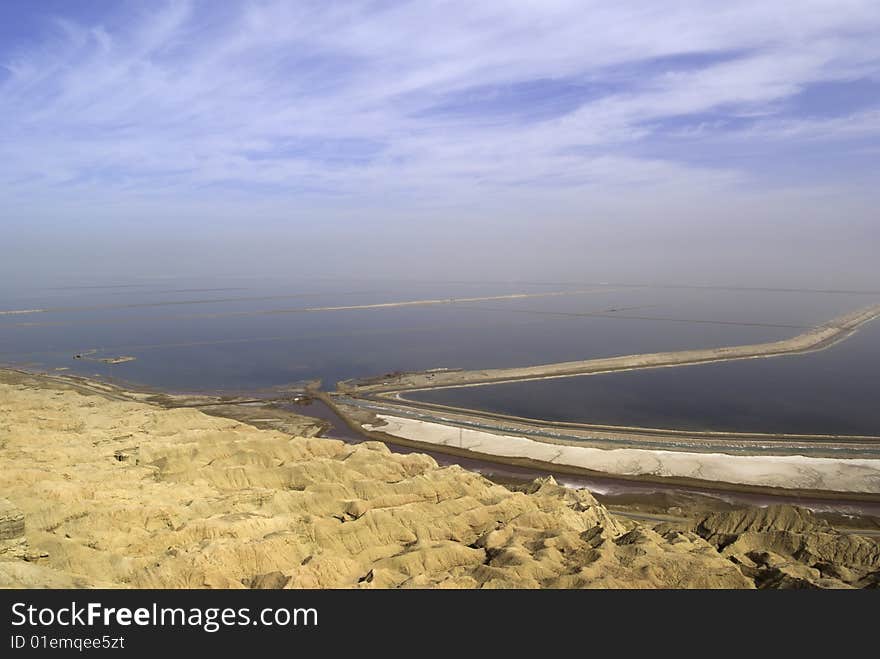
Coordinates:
[249,334]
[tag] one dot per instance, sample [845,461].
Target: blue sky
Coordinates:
[594,113]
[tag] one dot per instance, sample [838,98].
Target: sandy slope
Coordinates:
[127,494]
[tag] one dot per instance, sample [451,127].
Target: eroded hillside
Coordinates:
[102,492]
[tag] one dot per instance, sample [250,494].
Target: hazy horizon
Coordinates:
[546,141]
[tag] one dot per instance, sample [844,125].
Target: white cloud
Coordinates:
[175,100]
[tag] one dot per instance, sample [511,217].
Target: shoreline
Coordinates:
[584,433]
[866,503]
[805,464]
[857,479]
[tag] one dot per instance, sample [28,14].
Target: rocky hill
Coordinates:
[101,492]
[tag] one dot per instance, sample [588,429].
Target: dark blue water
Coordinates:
[834,391]
[244,334]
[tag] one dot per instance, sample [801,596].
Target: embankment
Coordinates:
[816,338]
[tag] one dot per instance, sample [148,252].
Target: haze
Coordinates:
[696,142]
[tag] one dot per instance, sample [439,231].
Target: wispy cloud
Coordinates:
[423,102]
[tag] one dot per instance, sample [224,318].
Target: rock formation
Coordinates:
[126,494]
[12,540]
[788,547]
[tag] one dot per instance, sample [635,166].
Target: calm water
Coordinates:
[254,333]
[833,391]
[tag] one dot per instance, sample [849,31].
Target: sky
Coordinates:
[675,141]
